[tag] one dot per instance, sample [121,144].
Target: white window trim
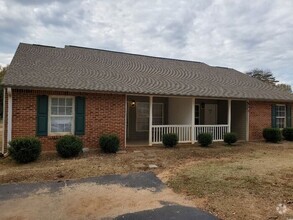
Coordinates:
[282,117]
[198,114]
[49,116]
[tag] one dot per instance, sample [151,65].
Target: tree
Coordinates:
[3,70]
[263,75]
[268,77]
[285,87]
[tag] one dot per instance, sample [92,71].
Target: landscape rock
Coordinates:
[153,166]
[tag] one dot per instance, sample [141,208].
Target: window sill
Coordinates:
[56,136]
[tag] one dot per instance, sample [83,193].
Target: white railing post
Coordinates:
[192,120]
[229,115]
[151,121]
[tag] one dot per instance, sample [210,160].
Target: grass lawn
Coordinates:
[246,181]
[245,185]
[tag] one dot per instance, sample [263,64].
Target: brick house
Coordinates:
[50,92]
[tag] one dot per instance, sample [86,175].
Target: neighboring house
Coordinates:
[87,92]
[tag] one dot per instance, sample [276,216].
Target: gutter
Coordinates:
[129,93]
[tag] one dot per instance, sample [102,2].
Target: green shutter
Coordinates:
[42,115]
[274,123]
[79,115]
[288,115]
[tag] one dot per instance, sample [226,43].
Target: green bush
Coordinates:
[25,150]
[230,138]
[205,139]
[69,146]
[109,143]
[170,140]
[288,134]
[272,134]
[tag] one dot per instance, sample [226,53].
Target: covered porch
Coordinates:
[150,117]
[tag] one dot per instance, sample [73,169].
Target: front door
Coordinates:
[210,116]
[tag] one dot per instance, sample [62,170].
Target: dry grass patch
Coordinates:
[247,187]
[51,167]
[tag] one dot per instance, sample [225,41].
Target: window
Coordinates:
[281,116]
[197,114]
[142,116]
[61,115]
[158,113]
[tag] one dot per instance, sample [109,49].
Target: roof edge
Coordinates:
[144,94]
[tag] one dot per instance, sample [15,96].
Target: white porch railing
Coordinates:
[218,131]
[184,132]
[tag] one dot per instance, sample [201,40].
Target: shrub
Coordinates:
[205,139]
[170,140]
[230,138]
[288,134]
[69,146]
[109,143]
[272,134]
[25,150]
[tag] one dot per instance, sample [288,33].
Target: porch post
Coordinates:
[9,116]
[4,127]
[126,122]
[229,115]
[192,120]
[151,121]
[247,120]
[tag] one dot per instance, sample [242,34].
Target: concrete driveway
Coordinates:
[134,196]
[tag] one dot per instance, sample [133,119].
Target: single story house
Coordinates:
[50,92]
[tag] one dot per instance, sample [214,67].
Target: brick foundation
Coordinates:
[105,113]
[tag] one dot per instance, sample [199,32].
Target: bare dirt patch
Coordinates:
[88,201]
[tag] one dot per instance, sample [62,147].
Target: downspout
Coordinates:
[3,121]
[9,118]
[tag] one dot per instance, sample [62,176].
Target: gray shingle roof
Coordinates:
[76,68]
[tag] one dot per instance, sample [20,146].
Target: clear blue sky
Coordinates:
[237,34]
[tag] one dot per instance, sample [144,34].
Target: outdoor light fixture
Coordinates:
[132,103]
[202,105]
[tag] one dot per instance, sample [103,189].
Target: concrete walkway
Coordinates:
[134,196]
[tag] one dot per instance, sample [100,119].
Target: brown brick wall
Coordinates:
[260,118]
[105,113]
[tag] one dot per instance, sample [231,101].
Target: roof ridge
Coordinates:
[135,54]
[41,45]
